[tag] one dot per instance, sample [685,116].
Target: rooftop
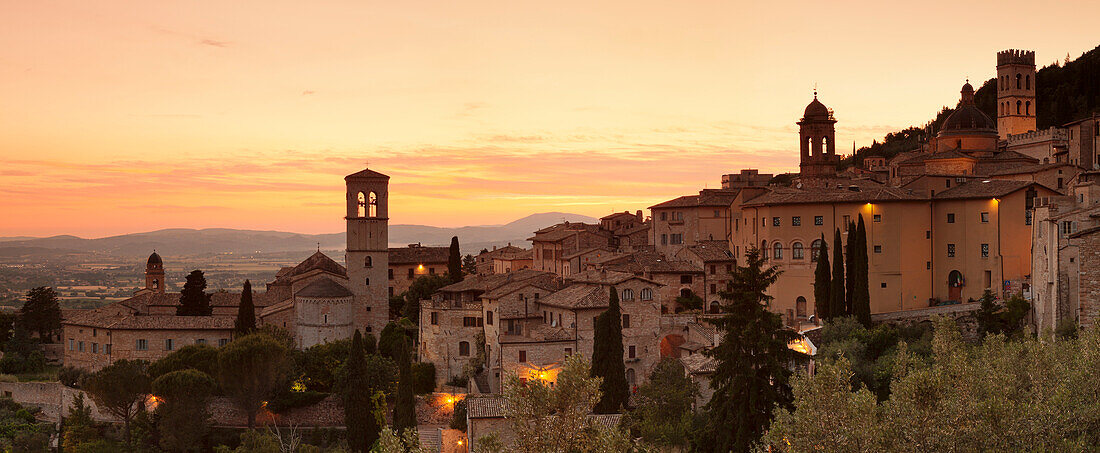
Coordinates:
[417,254]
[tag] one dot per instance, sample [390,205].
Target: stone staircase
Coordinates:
[429,438]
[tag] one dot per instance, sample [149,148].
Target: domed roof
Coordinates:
[154,260]
[967,116]
[816,109]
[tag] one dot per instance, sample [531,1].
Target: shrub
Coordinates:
[201,357]
[458,381]
[71,376]
[287,400]
[458,421]
[423,374]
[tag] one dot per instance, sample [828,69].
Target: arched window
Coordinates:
[156,284]
[1017,81]
[777,250]
[815,249]
[796,251]
[764,248]
[1018,104]
[685,293]
[1027,108]
[464,348]
[368,262]
[646,294]
[362,206]
[366,281]
[800,307]
[628,294]
[372,203]
[715,307]
[1027,81]
[630,378]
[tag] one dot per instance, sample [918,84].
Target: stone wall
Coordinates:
[1089,279]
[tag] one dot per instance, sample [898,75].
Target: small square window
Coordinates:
[928,265]
[950,217]
[883,284]
[985,250]
[985,217]
[877,217]
[950,250]
[819,220]
[775,221]
[796,221]
[878,249]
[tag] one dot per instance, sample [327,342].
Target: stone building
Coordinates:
[410,263]
[1064,271]
[484,260]
[717,262]
[1016,83]
[509,261]
[678,278]
[747,178]
[817,141]
[553,244]
[687,220]
[367,255]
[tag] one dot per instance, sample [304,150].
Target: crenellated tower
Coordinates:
[367,254]
[1015,92]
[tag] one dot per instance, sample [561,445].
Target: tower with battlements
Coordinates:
[1015,92]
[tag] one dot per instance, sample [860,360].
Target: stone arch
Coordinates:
[670,346]
[361,205]
[715,307]
[372,204]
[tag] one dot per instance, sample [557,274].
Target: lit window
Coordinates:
[950,250]
[985,217]
[819,220]
[985,250]
[796,251]
[775,221]
[796,221]
[777,251]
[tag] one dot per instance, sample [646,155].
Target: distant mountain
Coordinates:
[180,241]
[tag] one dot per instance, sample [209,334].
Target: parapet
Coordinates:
[1016,56]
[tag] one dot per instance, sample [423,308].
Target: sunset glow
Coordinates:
[120,117]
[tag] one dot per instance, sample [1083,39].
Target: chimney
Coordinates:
[494,248]
[639,215]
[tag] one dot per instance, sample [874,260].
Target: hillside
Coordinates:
[180,241]
[1064,93]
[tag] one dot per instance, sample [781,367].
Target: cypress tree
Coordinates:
[752,374]
[837,299]
[607,358]
[362,426]
[822,284]
[850,269]
[246,312]
[861,301]
[193,298]
[454,261]
[404,410]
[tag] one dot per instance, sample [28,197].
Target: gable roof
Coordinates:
[419,254]
[324,288]
[318,261]
[989,188]
[708,251]
[799,196]
[366,173]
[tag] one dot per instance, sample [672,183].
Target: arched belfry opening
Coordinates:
[372,205]
[362,205]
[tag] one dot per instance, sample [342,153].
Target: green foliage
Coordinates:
[663,415]
[246,312]
[861,300]
[200,357]
[193,298]
[752,373]
[837,301]
[79,430]
[823,285]
[72,376]
[183,419]
[1066,329]
[16,363]
[1066,93]
[390,442]
[849,270]
[421,289]
[1008,320]
[397,305]
[390,339]
[999,395]
[423,376]
[692,302]
[41,312]
[7,326]
[119,388]
[362,426]
[454,261]
[469,265]
[285,400]
[250,370]
[870,353]
[607,358]
[458,418]
[316,367]
[404,409]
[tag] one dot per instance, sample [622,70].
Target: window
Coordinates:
[200,341]
[988,279]
[391,274]
[775,221]
[626,321]
[435,318]
[713,288]
[631,352]
[985,217]
[95,348]
[368,262]
[796,221]
[847,223]
[1067,227]
[928,234]
[950,250]
[107,349]
[361,205]
[223,342]
[676,238]
[522,356]
[664,239]
[366,281]
[928,265]
[877,218]
[713,269]
[819,220]
[464,348]
[717,214]
[947,182]
[142,345]
[568,352]
[80,346]
[777,251]
[431,270]
[800,307]
[815,249]
[646,294]
[985,250]
[1017,84]
[372,204]
[878,249]
[471,321]
[664,216]
[950,217]
[168,346]
[410,273]
[628,294]
[882,285]
[489,317]
[796,251]
[685,279]
[72,344]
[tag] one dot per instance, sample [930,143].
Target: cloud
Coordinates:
[214,43]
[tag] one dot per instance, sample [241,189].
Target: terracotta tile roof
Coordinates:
[125,320]
[1012,155]
[1022,169]
[706,197]
[318,261]
[577,296]
[540,332]
[563,230]
[711,251]
[484,283]
[509,249]
[324,288]
[419,254]
[699,364]
[605,277]
[366,173]
[651,261]
[600,250]
[636,228]
[797,196]
[618,214]
[989,188]
[548,282]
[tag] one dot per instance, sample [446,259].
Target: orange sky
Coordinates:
[120,117]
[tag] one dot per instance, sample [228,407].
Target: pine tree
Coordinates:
[753,371]
[41,313]
[823,287]
[861,300]
[362,426]
[607,358]
[454,262]
[193,298]
[404,410]
[246,312]
[849,269]
[837,299]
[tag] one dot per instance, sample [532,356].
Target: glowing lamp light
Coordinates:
[460,442]
[420,267]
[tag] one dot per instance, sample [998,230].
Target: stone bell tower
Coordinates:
[1015,92]
[817,141]
[367,254]
[154,274]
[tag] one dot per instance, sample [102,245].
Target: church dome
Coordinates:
[154,260]
[816,109]
[967,117]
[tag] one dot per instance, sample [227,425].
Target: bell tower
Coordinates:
[817,141]
[154,273]
[1015,92]
[367,254]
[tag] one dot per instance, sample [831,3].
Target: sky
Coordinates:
[120,117]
